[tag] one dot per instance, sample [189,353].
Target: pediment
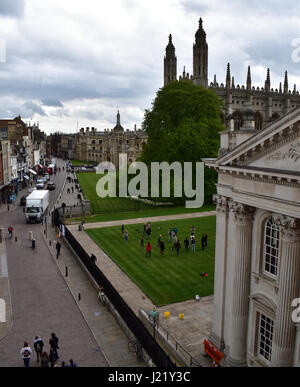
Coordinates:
[275,147]
[284,158]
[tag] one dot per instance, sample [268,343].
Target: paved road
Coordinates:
[42,302]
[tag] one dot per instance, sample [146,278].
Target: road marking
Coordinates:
[4,270]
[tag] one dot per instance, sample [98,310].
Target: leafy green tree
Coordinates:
[183,125]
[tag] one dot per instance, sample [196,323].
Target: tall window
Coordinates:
[238,120]
[271,247]
[265,337]
[258,121]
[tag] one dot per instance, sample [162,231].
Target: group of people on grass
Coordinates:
[189,242]
[47,359]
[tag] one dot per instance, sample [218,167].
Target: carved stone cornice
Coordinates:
[243,214]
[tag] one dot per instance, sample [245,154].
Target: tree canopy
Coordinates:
[183,125]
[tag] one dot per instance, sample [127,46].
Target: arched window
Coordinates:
[238,120]
[271,247]
[258,121]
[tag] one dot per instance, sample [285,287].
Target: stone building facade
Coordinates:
[92,145]
[257,257]
[266,104]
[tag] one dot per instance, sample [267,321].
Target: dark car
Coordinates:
[51,186]
[23,201]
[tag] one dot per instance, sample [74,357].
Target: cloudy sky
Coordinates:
[65,63]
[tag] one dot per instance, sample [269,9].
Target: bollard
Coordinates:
[16,239]
[49,243]
[79,297]
[33,244]
[67,273]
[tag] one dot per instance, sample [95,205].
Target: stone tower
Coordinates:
[200,57]
[170,67]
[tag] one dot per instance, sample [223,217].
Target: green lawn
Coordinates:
[79,163]
[88,183]
[142,213]
[122,208]
[168,279]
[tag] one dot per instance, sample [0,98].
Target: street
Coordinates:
[41,300]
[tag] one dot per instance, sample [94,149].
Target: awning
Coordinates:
[26,177]
[32,171]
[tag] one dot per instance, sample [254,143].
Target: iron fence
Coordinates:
[157,354]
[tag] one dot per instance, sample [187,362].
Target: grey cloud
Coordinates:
[31,107]
[52,103]
[12,8]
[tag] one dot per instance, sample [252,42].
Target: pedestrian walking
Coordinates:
[26,353]
[175,240]
[159,240]
[126,236]
[54,342]
[45,360]
[143,242]
[178,246]
[10,231]
[123,229]
[38,346]
[162,247]
[53,357]
[170,235]
[203,242]
[186,244]
[58,248]
[72,364]
[193,245]
[148,249]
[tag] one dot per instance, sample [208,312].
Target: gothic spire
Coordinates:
[118,127]
[228,76]
[268,82]
[286,83]
[249,79]
[170,63]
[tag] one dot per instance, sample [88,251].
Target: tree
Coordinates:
[184,126]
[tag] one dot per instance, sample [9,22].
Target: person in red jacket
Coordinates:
[148,249]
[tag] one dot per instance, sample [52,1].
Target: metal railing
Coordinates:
[157,354]
[172,342]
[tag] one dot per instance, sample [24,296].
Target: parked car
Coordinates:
[40,184]
[51,186]
[23,201]
[30,190]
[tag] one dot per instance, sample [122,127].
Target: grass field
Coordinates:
[122,208]
[79,163]
[164,279]
[88,183]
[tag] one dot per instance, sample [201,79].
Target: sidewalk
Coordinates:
[106,331]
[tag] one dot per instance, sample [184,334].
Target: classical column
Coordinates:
[237,346]
[217,335]
[289,281]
